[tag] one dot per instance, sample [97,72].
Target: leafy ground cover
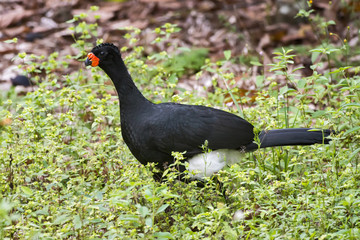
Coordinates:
[66,173]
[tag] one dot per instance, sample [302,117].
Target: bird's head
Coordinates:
[102,54]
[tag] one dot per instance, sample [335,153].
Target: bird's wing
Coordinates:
[182,128]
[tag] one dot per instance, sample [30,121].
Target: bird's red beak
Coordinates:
[92,60]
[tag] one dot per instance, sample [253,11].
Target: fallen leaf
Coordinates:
[14,16]
[5,121]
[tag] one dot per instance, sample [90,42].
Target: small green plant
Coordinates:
[188,61]
[281,67]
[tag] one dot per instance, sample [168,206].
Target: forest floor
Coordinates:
[251,29]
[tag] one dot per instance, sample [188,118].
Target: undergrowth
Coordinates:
[67,174]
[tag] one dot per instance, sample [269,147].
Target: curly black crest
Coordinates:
[102,45]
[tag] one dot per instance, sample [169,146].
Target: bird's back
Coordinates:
[153,133]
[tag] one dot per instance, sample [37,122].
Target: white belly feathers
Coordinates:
[206,164]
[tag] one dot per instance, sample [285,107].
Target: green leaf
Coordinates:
[184,49]
[77,222]
[283,90]
[162,208]
[294,70]
[352,130]
[227,54]
[315,55]
[342,69]
[26,190]
[149,222]
[304,13]
[94,8]
[94,125]
[44,211]
[259,81]
[301,83]
[318,50]
[350,105]
[149,195]
[143,210]
[353,154]
[99,195]
[14,40]
[276,68]
[173,78]
[255,63]
[129,217]
[62,219]
[163,235]
[211,70]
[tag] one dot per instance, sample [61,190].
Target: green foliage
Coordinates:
[66,174]
[188,61]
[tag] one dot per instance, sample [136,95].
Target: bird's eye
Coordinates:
[102,53]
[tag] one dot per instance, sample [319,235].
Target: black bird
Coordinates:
[21,80]
[153,131]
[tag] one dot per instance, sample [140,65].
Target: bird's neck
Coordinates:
[125,86]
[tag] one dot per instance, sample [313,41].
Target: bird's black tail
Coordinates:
[290,136]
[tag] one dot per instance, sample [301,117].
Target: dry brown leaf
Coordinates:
[57,3]
[15,31]
[305,32]
[157,1]
[14,16]
[5,121]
